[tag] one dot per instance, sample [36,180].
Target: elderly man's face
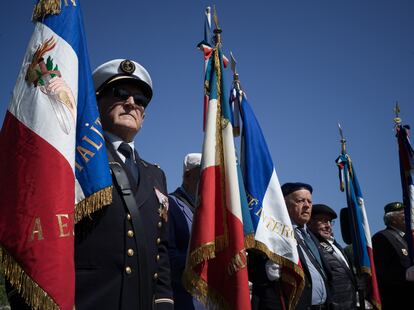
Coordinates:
[321,224]
[299,205]
[398,220]
[121,114]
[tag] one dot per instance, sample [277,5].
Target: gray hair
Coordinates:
[390,217]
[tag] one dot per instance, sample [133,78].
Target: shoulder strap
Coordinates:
[179,195]
[393,236]
[310,255]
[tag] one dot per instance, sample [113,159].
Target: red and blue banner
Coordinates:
[358,226]
[53,158]
[273,231]
[406,156]
[216,269]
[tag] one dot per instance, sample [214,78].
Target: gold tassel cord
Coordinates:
[30,291]
[46,7]
[93,203]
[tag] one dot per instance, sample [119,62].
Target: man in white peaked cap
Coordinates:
[121,252]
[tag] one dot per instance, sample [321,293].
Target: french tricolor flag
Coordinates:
[216,269]
[53,158]
[358,225]
[273,231]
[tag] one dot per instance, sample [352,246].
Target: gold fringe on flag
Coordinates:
[249,241]
[93,203]
[204,293]
[208,251]
[286,278]
[46,7]
[28,289]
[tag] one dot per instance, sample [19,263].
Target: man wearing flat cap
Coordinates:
[315,295]
[180,215]
[121,252]
[343,282]
[394,274]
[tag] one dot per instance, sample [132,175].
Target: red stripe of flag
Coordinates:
[36,226]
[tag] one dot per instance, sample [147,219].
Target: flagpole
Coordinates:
[360,290]
[403,148]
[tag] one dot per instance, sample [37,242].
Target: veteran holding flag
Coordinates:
[121,257]
[121,252]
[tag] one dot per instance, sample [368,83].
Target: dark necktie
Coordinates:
[310,244]
[126,150]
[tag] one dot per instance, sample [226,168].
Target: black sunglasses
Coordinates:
[124,94]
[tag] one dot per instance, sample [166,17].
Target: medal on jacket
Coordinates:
[163,200]
[327,247]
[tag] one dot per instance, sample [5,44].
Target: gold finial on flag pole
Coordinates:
[397,111]
[217,30]
[233,68]
[343,140]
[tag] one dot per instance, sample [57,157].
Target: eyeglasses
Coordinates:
[124,94]
[325,221]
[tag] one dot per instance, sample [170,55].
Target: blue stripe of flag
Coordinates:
[257,163]
[94,174]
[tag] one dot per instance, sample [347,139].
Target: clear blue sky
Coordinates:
[305,65]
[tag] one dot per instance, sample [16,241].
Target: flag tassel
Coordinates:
[30,291]
[93,203]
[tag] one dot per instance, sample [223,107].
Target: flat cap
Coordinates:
[323,209]
[191,160]
[289,188]
[393,206]
[118,69]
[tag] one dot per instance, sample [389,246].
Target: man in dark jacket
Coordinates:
[267,293]
[392,261]
[343,281]
[121,253]
[180,215]
[315,295]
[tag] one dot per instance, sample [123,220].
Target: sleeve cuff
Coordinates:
[163,304]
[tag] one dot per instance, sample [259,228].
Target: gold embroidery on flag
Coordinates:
[46,7]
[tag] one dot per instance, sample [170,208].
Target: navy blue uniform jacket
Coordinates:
[119,266]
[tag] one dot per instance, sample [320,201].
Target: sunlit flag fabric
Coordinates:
[406,154]
[216,271]
[52,114]
[273,229]
[358,225]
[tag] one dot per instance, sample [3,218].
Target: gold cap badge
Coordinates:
[127,66]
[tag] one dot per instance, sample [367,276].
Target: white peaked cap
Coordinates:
[191,160]
[118,69]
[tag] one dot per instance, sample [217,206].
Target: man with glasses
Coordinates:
[121,251]
[343,282]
